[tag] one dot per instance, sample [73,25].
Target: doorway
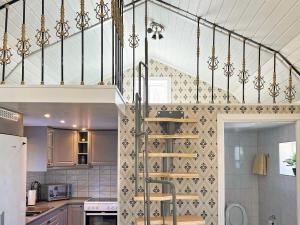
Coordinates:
[243,141]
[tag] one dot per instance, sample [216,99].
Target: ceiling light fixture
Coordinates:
[47,115]
[156,29]
[74,125]
[62,121]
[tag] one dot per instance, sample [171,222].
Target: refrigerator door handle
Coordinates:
[2,218]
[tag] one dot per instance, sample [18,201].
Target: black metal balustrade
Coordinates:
[114,12]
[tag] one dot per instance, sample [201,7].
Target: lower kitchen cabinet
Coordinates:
[62,216]
[57,217]
[75,215]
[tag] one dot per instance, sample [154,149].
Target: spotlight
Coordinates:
[156,30]
[160,36]
[149,30]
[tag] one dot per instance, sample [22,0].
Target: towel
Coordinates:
[260,164]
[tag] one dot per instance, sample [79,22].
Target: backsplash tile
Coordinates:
[99,181]
[34,176]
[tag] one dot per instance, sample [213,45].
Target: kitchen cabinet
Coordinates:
[104,147]
[75,215]
[64,147]
[36,148]
[62,216]
[57,217]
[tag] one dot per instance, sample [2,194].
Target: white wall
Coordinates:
[277,193]
[240,185]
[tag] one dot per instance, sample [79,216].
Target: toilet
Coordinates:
[236,215]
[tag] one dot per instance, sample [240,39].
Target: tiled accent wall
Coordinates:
[241,186]
[99,181]
[206,164]
[183,85]
[34,176]
[277,193]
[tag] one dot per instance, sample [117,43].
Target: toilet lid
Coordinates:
[236,215]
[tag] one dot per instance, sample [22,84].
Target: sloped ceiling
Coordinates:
[275,23]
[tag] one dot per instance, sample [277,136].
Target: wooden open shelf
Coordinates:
[174,120]
[172,175]
[173,136]
[181,220]
[170,155]
[168,197]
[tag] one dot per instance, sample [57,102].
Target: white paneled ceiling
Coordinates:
[275,23]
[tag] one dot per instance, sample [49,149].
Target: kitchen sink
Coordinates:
[36,210]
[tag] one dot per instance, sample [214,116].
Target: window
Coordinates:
[159,89]
[287,158]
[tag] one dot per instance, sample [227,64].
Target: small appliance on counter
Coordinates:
[54,192]
[35,185]
[31,195]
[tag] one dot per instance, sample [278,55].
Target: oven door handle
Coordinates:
[101,214]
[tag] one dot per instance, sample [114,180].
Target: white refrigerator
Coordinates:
[12,180]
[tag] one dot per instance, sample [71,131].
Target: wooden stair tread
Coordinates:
[173,154]
[168,197]
[172,175]
[168,119]
[181,220]
[173,136]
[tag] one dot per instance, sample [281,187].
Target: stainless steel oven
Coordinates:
[100,211]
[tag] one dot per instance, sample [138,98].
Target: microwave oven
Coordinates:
[53,192]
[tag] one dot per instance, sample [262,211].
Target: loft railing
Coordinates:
[115,11]
[103,12]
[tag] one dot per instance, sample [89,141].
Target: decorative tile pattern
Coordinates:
[183,85]
[205,164]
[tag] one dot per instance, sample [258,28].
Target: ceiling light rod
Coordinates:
[210,24]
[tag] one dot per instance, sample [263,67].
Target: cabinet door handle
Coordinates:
[2,218]
[48,222]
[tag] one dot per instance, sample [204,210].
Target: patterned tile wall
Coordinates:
[183,86]
[205,164]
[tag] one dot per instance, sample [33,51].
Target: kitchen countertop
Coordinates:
[54,205]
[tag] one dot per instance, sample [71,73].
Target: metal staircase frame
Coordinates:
[141,136]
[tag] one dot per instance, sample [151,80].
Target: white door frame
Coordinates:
[223,118]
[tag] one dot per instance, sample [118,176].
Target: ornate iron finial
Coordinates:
[62,27]
[290,91]
[243,74]
[133,40]
[23,45]
[274,86]
[228,68]
[42,36]
[259,82]
[101,10]
[5,51]
[213,65]
[82,17]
